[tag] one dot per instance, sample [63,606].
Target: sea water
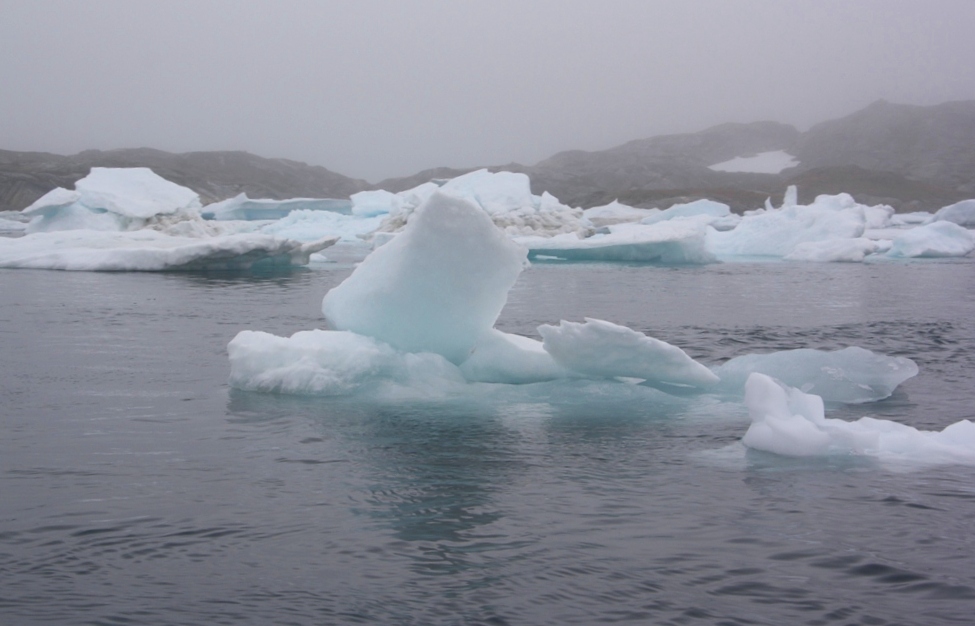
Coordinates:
[136,487]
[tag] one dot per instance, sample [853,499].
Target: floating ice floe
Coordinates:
[852,375]
[679,241]
[961,213]
[789,422]
[241,207]
[772,162]
[421,310]
[150,251]
[120,219]
[937,239]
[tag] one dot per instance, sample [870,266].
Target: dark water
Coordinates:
[137,488]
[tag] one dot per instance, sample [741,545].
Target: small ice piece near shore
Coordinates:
[601,349]
[937,239]
[437,287]
[852,375]
[788,422]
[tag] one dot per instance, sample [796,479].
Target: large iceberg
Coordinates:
[119,219]
[777,232]
[505,196]
[437,287]
[422,308]
[789,422]
[111,199]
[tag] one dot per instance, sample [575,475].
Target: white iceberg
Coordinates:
[961,213]
[852,375]
[130,219]
[771,162]
[149,250]
[777,232]
[242,207]
[112,199]
[506,197]
[788,422]
[937,239]
[437,287]
[430,298]
[679,241]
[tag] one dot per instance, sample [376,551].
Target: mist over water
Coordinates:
[138,488]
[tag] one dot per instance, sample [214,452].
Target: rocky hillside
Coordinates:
[25,176]
[912,157]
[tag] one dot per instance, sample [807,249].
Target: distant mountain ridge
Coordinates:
[912,157]
[25,176]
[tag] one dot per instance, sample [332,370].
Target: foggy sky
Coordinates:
[378,88]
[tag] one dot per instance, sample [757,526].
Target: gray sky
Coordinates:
[377,88]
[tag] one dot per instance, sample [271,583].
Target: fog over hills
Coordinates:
[912,157]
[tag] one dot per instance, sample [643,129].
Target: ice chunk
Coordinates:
[319,362]
[834,250]
[302,225]
[777,232]
[937,239]
[507,198]
[150,250]
[961,213]
[373,203]
[788,422]
[707,208]
[605,350]
[673,242]
[616,213]
[242,207]
[500,357]
[437,287]
[135,192]
[771,162]
[851,375]
[910,219]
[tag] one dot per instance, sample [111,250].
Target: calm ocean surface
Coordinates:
[137,488]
